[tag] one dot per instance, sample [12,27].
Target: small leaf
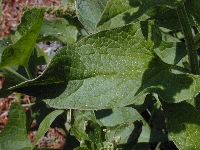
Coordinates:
[118,13]
[93,9]
[38,57]
[79,122]
[45,124]
[12,77]
[14,135]
[183,124]
[121,116]
[124,134]
[61,30]
[94,132]
[192,8]
[171,52]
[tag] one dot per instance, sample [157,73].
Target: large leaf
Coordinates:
[45,124]
[61,30]
[118,13]
[183,124]
[110,69]
[19,53]
[89,13]
[14,135]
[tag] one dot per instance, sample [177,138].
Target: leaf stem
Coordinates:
[189,40]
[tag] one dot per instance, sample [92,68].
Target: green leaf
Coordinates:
[60,29]
[79,122]
[94,132]
[118,13]
[120,116]
[171,52]
[151,135]
[126,134]
[12,77]
[89,13]
[116,116]
[19,53]
[38,57]
[45,124]
[192,8]
[168,19]
[14,135]
[110,69]
[183,124]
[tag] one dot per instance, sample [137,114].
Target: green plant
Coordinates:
[126,68]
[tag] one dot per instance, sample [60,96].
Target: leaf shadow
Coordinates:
[137,5]
[133,137]
[102,113]
[181,116]
[159,78]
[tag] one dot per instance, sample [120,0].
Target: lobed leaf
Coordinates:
[118,13]
[14,135]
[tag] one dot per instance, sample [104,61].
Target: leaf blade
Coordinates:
[14,133]
[118,13]
[45,124]
[12,55]
[95,75]
[183,124]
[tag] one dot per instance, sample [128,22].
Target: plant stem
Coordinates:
[197,40]
[60,10]
[29,73]
[189,40]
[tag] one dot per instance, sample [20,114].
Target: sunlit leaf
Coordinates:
[111,69]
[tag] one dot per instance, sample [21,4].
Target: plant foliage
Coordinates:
[126,67]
